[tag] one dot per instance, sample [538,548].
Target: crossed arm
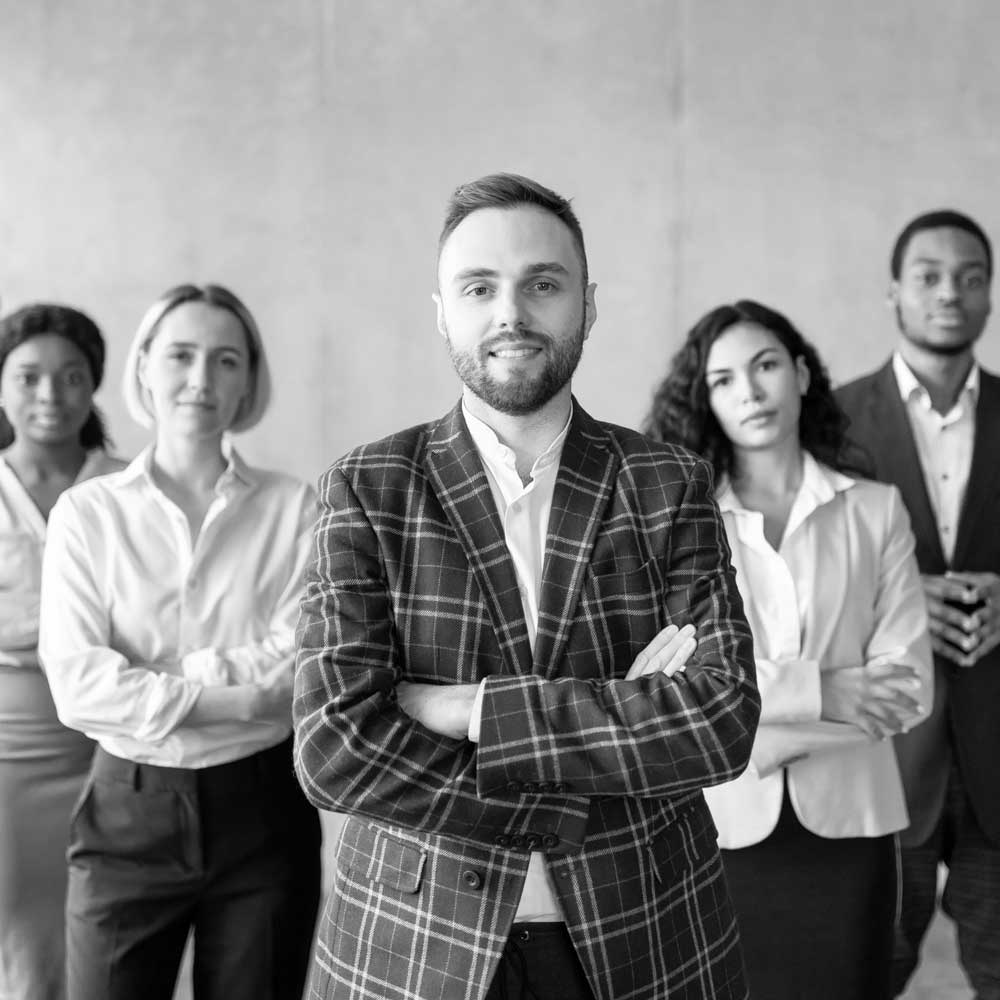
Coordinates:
[369,741]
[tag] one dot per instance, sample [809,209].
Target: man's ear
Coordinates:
[441,325]
[892,294]
[589,308]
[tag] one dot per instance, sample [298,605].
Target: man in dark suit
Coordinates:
[522,655]
[930,420]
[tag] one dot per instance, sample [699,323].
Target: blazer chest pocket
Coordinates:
[369,852]
[627,608]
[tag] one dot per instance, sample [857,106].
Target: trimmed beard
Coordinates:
[515,396]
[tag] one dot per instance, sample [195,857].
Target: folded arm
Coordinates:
[650,736]
[356,749]
[95,688]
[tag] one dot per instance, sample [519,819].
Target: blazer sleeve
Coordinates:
[355,750]
[650,737]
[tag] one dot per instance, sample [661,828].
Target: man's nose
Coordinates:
[509,310]
[947,289]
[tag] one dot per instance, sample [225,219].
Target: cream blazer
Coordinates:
[842,589]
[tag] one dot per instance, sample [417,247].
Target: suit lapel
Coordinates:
[583,488]
[985,468]
[456,473]
[899,461]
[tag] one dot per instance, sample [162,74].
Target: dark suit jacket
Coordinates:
[967,701]
[412,579]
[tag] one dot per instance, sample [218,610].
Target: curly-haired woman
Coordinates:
[825,565]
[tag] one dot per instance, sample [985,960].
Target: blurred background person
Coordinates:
[825,564]
[169,600]
[930,420]
[51,435]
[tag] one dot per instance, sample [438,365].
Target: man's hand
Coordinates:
[444,708]
[666,654]
[873,698]
[963,635]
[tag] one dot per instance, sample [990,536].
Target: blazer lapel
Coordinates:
[583,489]
[899,462]
[985,467]
[456,473]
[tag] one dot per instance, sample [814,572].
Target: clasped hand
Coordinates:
[446,709]
[965,633]
[878,698]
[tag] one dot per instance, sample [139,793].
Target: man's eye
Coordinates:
[477,291]
[543,286]
[927,279]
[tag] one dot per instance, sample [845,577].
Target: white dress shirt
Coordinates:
[944,446]
[22,540]
[842,589]
[524,510]
[137,617]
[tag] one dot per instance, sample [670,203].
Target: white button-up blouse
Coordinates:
[842,589]
[136,616]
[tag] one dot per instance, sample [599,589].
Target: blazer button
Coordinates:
[560,786]
[533,841]
[514,787]
[550,840]
[472,879]
[530,787]
[517,841]
[502,840]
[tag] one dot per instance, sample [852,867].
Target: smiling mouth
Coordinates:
[515,353]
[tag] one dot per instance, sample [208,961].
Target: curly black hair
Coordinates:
[681,414]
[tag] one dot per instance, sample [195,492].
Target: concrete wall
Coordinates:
[301,152]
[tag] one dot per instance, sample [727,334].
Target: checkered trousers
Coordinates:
[411,579]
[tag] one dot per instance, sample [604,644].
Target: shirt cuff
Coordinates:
[475,719]
[206,667]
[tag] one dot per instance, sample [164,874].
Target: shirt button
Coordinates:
[472,879]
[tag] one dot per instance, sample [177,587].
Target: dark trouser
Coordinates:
[815,914]
[230,851]
[971,895]
[539,962]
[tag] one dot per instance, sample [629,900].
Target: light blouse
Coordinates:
[842,589]
[22,540]
[137,616]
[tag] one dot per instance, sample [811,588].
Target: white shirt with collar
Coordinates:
[944,445]
[524,510]
[136,616]
[842,589]
[22,541]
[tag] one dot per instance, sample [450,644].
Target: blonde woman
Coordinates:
[169,600]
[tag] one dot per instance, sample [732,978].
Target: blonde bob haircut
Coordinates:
[253,405]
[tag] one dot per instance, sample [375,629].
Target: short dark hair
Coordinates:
[681,413]
[509,191]
[944,218]
[82,332]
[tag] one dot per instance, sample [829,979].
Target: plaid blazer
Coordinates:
[411,579]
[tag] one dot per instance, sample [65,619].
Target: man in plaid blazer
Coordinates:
[522,655]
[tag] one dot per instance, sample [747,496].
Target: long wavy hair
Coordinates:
[681,413]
